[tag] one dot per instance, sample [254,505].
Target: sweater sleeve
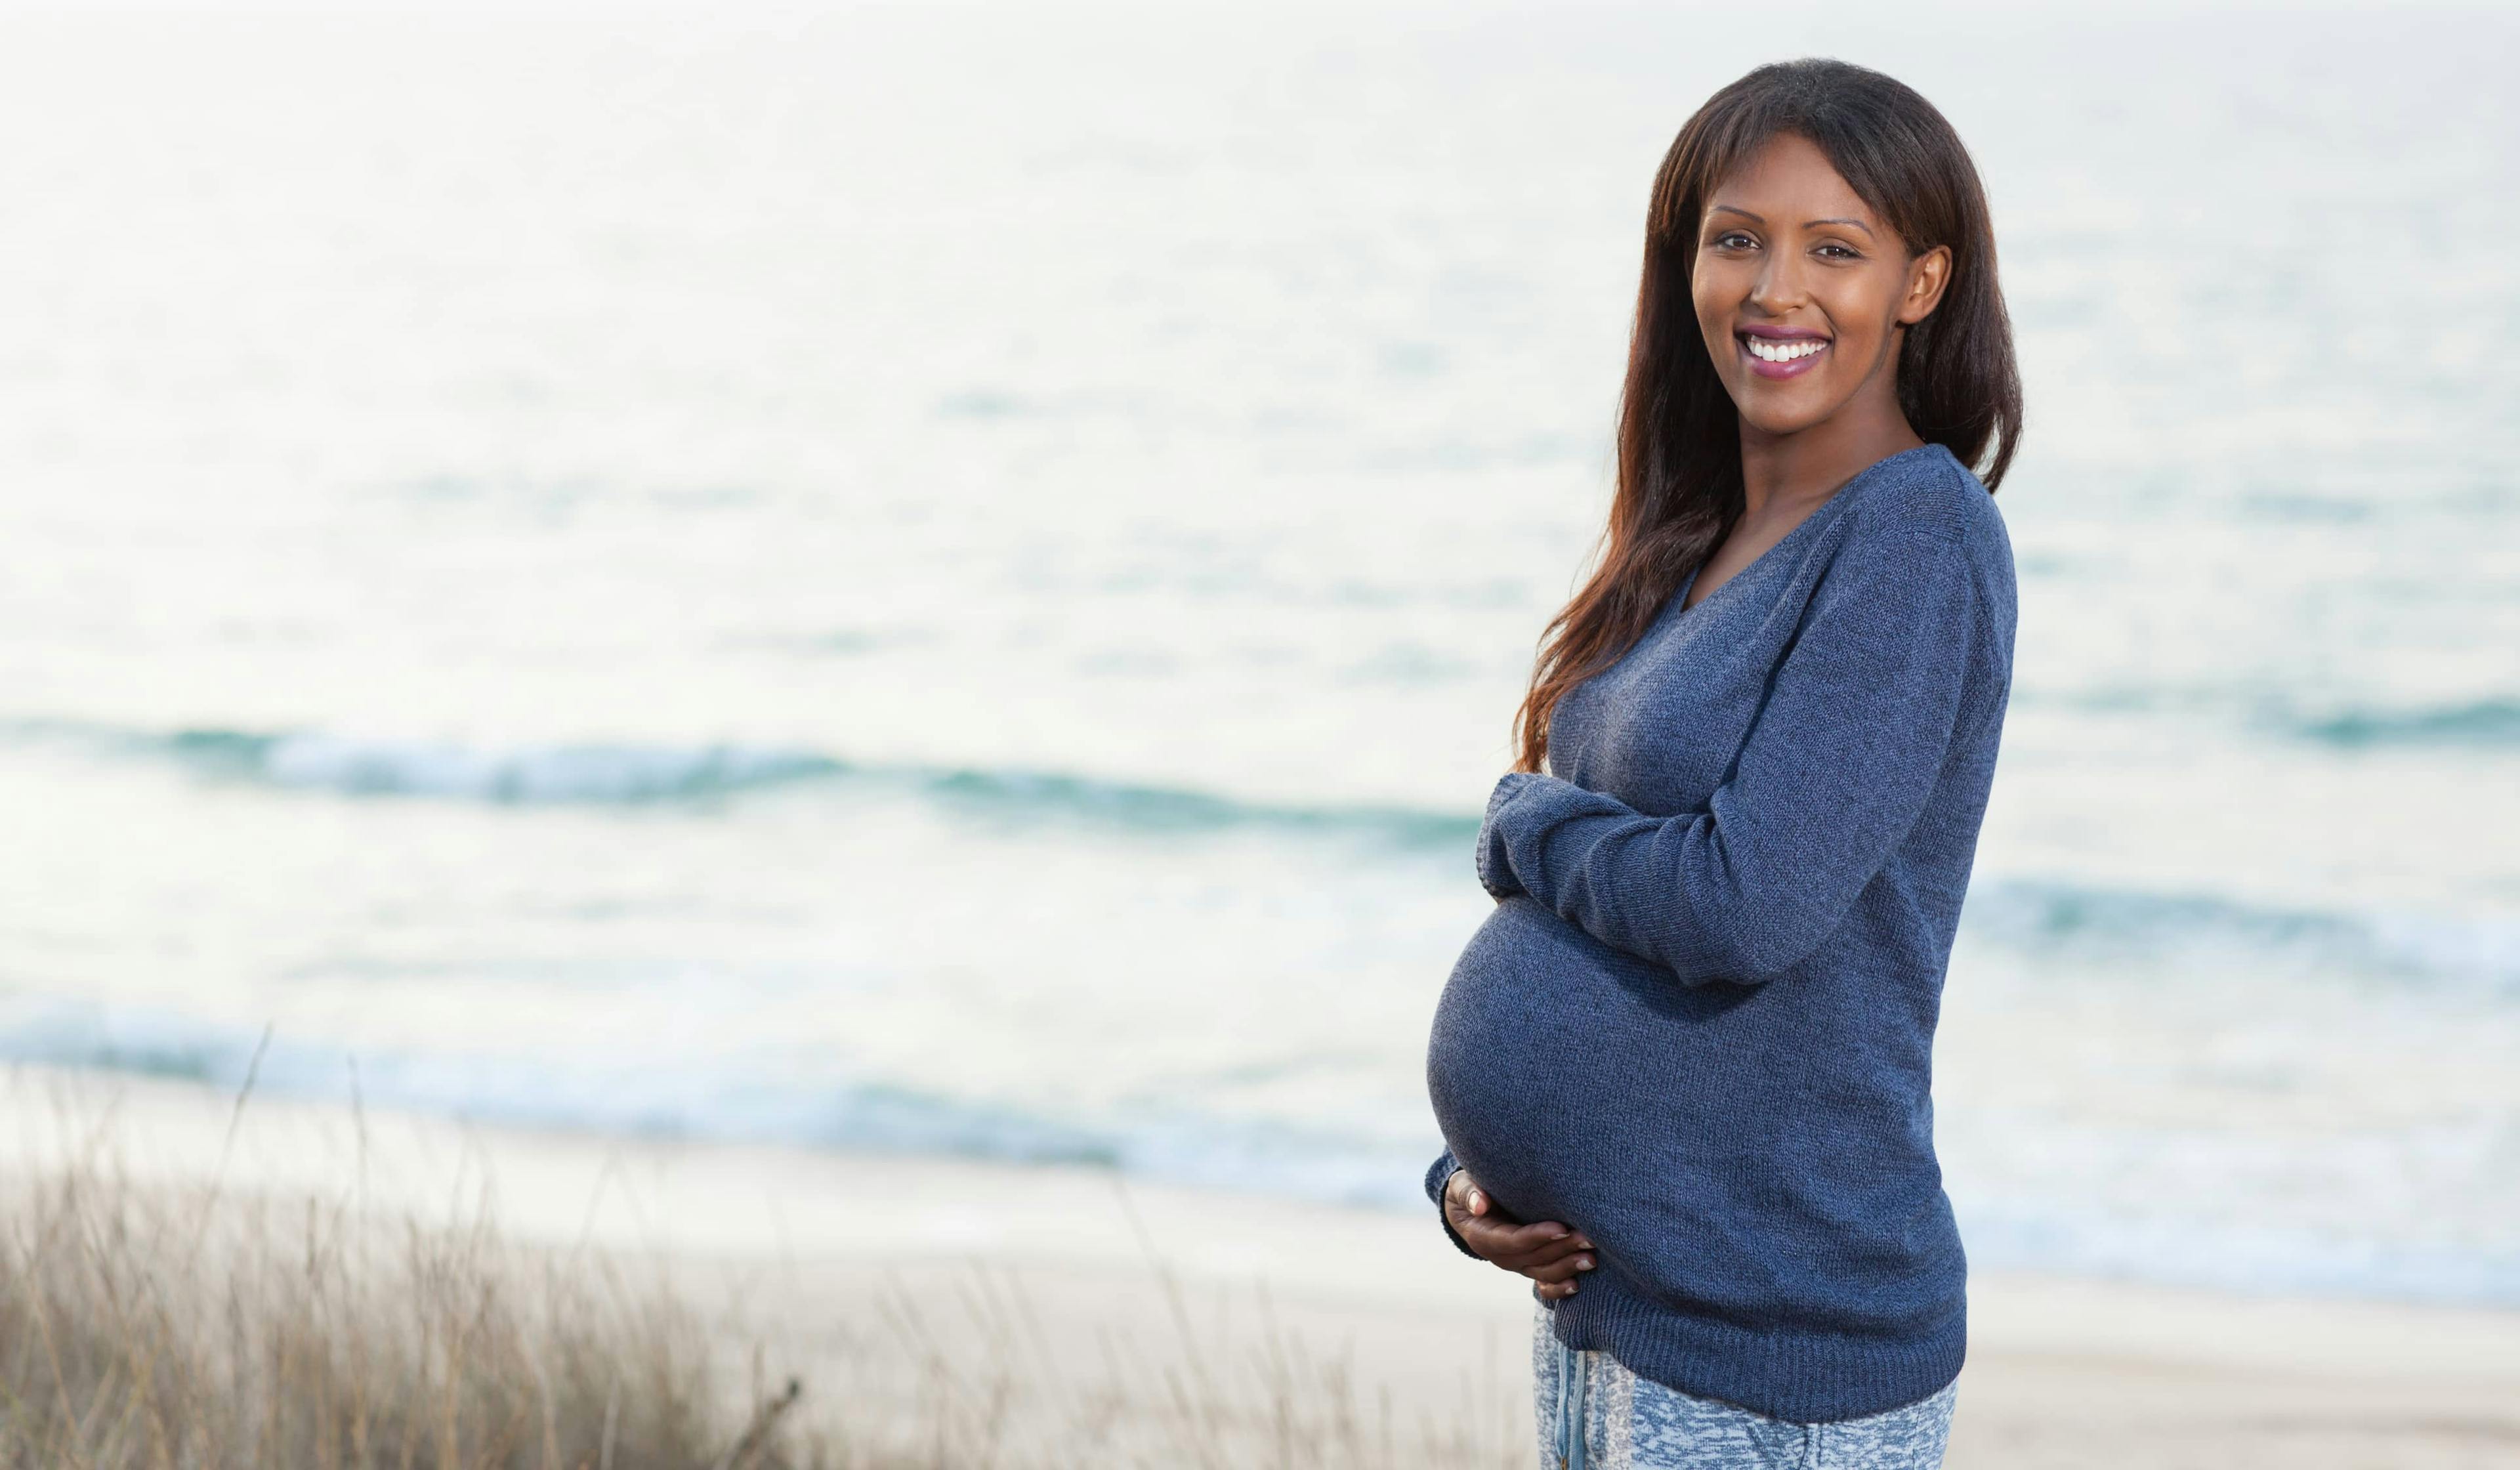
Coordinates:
[1835,771]
[1438,1174]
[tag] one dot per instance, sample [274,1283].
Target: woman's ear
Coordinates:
[1927,275]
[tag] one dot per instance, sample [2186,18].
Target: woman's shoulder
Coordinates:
[1929,493]
[1927,490]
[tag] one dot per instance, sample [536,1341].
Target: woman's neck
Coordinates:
[1791,474]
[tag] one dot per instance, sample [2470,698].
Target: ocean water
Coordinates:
[954,579]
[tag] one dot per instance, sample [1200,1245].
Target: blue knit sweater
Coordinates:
[1699,1025]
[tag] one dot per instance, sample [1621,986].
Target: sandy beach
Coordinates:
[1063,1295]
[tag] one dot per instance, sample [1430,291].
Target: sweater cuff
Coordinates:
[1438,1174]
[1523,802]
[1495,866]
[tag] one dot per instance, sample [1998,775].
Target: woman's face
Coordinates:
[1799,288]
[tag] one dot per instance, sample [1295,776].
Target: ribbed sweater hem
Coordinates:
[1808,1377]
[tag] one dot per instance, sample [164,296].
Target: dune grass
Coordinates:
[166,1325]
[150,1324]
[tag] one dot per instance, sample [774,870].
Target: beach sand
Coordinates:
[1049,1301]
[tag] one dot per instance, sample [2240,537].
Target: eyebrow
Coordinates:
[1807,224]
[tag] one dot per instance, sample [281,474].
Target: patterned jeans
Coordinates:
[1596,1415]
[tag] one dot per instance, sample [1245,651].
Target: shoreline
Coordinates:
[1139,1279]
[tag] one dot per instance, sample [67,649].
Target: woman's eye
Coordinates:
[1843,254]
[1733,240]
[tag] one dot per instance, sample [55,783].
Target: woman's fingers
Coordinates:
[1526,1248]
[1565,1268]
[1545,1250]
[1509,1244]
[1559,1278]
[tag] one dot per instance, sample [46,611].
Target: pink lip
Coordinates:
[1794,368]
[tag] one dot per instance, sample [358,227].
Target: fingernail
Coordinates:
[1585,1263]
[1476,1200]
[1570,1288]
[1561,1235]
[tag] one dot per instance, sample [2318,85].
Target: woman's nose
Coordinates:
[1780,286]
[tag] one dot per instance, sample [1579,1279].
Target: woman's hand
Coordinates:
[1544,1250]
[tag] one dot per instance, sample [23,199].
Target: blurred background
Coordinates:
[951,579]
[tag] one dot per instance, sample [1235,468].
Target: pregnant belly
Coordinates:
[1564,1073]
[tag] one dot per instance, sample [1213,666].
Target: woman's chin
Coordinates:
[1778,411]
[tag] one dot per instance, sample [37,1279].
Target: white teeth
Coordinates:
[1767,350]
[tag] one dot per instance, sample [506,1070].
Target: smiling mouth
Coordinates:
[1783,349]
[1781,356]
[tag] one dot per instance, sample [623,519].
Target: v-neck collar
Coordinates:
[1826,510]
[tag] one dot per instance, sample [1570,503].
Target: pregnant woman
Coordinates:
[1684,1068]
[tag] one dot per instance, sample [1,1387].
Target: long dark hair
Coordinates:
[1680,437]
